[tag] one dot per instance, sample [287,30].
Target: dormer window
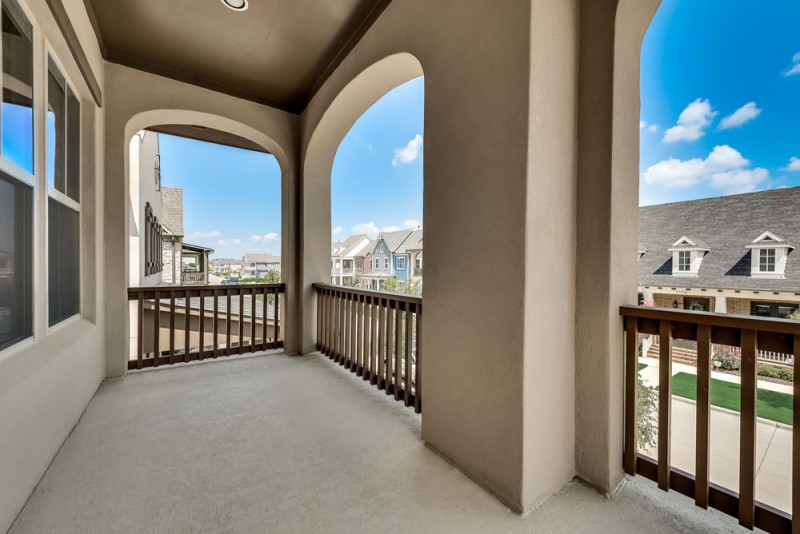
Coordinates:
[769,254]
[766,260]
[687,255]
[684,261]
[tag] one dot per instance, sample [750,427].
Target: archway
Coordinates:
[356,97]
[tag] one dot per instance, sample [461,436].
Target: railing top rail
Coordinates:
[725,320]
[369,293]
[133,292]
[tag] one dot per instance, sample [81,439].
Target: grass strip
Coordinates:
[771,405]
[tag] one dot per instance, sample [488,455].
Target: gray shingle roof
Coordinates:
[726,225]
[262,258]
[172,209]
[410,242]
[394,239]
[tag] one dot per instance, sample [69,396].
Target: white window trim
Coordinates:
[404,260]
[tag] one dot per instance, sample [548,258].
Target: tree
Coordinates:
[394,285]
[794,315]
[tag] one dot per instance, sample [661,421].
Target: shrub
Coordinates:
[646,420]
[767,370]
[786,374]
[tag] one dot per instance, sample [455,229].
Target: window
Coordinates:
[153,237]
[772,309]
[380,247]
[419,261]
[63,179]
[766,260]
[377,264]
[401,263]
[697,304]
[17,109]
[385,263]
[684,260]
[16,261]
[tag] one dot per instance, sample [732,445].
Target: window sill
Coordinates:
[64,324]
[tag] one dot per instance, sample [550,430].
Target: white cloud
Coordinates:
[338,230]
[740,117]
[724,168]
[409,153]
[228,242]
[213,234]
[692,122]
[366,228]
[793,166]
[795,68]
[392,228]
[412,224]
[653,128]
[266,238]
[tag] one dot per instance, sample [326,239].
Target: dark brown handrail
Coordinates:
[200,312]
[375,335]
[751,334]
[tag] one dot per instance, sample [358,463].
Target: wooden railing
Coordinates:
[193,277]
[180,324]
[376,335]
[751,334]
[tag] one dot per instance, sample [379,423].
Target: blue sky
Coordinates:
[376,183]
[231,197]
[731,70]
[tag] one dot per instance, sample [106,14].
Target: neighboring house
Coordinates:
[733,254]
[259,265]
[157,250]
[404,259]
[229,266]
[382,258]
[344,256]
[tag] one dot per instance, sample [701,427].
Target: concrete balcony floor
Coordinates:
[272,443]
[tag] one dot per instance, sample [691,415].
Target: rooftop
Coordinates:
[172,210]
[725,225]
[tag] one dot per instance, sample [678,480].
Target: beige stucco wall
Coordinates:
[144,151]
[46,383]
[499,176]
[136,100]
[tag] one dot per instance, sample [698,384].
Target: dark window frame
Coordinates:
[153,238]
[774,308]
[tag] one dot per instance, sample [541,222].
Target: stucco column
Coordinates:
[608,200]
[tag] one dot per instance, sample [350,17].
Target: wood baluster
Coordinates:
[796,441]
[228,293]
[747,431]
[215,350]
[171,327]
[202,343]
[382,312]
[157,328]
[398,347]
[418,364]
[253,313]
[631,387]
[140,330]
[187,326]
[409,368]
[703,415]
[240,348]
[276,319]
[351,345]
[664,400]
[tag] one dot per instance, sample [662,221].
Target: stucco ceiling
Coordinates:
[277,52]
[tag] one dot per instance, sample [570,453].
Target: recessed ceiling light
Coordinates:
[236,5]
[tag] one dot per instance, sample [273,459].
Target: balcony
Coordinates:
[192,278]
[278,443]
[417,271]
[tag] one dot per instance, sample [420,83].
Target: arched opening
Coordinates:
[206,227]
[714,190]
[350,104]
[376,196]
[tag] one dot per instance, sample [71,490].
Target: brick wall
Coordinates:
[663,300]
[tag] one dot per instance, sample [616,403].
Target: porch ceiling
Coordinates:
[277,52]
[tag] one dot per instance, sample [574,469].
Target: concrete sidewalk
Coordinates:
[773,441]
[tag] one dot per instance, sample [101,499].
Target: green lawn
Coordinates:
[770,404]
[641,366]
